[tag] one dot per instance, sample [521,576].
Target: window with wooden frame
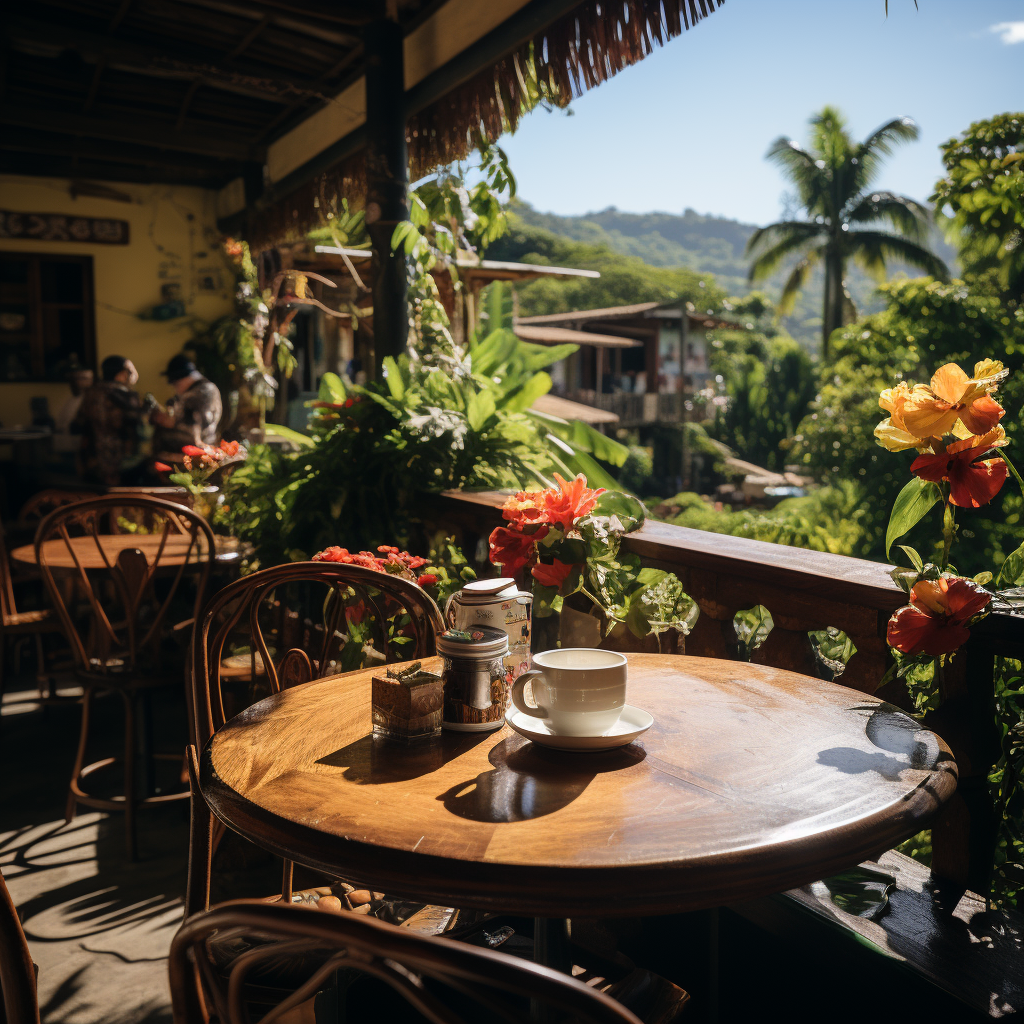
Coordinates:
[47,320]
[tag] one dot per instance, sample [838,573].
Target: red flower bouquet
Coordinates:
[568,537]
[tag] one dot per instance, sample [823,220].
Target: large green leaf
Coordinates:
[583,436]
[479,409]
[290,435]
[630,511]
[495,350]
[521,399]
[910,507]
[573,461]
[332,389]
[393,378]
[1012,571]
[536,357]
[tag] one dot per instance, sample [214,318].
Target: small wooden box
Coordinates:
[407,706]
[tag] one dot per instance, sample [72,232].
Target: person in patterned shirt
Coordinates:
[108,420]
[193,413]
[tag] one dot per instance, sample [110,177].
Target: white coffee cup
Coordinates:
[579,691]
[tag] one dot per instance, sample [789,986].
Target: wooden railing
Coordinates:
[812,590]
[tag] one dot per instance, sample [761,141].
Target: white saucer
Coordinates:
[632,722]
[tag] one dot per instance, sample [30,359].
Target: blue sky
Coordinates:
[689,126]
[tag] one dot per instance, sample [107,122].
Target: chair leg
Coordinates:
[131,849]
[200,847]
[83,737]
[3,659]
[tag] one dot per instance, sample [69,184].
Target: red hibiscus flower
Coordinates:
[559,506]
[513,550]
[935,621]
[971,484]
[552,575]
[162,467]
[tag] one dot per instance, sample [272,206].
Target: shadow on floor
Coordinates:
[98,926]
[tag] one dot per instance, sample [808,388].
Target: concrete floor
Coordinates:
[98,926]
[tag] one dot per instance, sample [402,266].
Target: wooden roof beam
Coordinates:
[143,131]
[249,38]
[38,165]
[119,14]
[300,22]
[38,38]
[43,143]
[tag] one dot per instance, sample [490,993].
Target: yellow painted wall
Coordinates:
[173,237]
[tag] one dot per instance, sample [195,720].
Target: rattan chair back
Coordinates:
[115,616]
[445,982]
[305,620]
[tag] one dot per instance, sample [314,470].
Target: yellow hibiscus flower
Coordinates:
[892,432]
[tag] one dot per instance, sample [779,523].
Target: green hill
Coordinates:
[664,252]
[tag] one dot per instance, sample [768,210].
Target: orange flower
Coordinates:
[196,453]
[971,484]
[933,410]
[558,506]
[935,621]
[162,467]
[230,448]
[551,575]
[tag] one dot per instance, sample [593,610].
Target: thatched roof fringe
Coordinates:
[576,53]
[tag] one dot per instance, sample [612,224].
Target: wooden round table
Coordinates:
[752,780]
[60,559]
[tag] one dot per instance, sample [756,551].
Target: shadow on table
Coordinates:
[373,761]
[908,745]
[529,782]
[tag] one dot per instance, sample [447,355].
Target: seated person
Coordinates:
[108,420]
[193,413]
[63,439]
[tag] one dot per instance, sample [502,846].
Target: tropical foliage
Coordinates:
[982,197]
[375,449]
[846,216]
[764,384]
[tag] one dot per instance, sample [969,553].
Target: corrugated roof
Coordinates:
[609,313]
[708,320]
[524,269]
[566,410]
[565,336]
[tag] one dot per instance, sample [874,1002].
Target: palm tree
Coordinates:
[846,217]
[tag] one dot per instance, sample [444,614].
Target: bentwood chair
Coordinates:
[219,960]
[18,1001]
[128,557]
[280,627]
[20,625]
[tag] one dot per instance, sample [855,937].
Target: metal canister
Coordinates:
[502,605]
[474,678]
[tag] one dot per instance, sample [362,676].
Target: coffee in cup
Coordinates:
[579,691]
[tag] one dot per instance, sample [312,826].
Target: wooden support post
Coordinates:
[387,174]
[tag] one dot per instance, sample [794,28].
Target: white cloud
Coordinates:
[1009,31]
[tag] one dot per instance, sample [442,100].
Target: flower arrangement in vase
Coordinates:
[568,538]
